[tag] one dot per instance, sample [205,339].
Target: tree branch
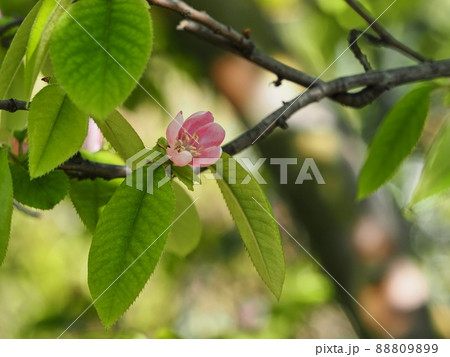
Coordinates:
[354,47]
[388,39]
[373,83]
[377,82]
[283,72]
[205,27]
[211,30]
[13,105]
[80,168]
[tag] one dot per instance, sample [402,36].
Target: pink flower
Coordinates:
[196,138]
[94,138]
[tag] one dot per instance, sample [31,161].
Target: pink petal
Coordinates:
[210,135]
[94,138]
[179,158]
[173,128]
[208,157]
[196,121]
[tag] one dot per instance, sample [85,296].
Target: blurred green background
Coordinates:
[392,258]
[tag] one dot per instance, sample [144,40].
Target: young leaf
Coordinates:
[395,139]
[16,52]
[258,229]
[42,193]
[186,175]
[127,244]
[100,51]
[6,205]
[56,129]
[39,41]
[186,231]
[435,176]
[44,12]
[90,196]
[120,134]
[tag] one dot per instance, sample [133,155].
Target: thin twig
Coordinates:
[383,33]
[373,84]
[213,31]
[206,28]
[80,168]
[26,210]
[203,18]
[357,100]
[361,57]
[376,82]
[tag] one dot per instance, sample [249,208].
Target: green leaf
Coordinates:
[16,52]
[56,129]
[42,193]
[39,41]
[395,139]
[435,177]
[44,12]
[20,135]
[90,196]
[447,100]
[186,231]
[127,245]
[253,216]
[120,134]
[186,175]
[100,51]
[6,205]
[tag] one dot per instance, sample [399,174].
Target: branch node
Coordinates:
[246,32]
[12,106]
[360,56]
[282,122]
[278,82]
[384,35]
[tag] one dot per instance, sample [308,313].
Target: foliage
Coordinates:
[186,231]
[120,134]
[395,139]
[43,192]
[89,197]
[99,50]
[96,53]
[254,219]
[13,59]
[128,242]
[6,193]
[436,173]
[52,120]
